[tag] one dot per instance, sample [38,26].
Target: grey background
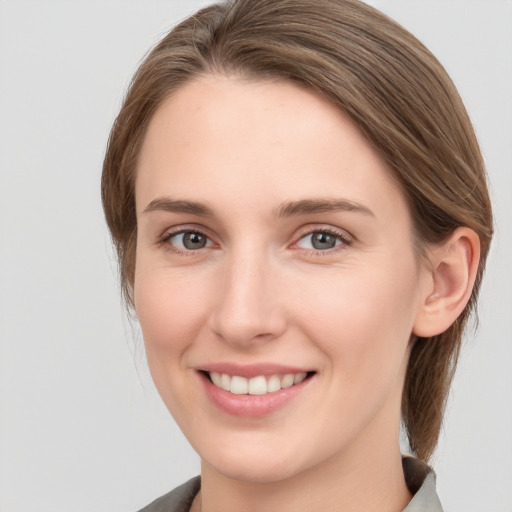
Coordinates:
[81,426]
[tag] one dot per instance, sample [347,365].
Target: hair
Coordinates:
[390,86]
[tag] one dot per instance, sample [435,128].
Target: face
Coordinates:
[276,281]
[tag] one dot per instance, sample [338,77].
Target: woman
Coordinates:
[301,216]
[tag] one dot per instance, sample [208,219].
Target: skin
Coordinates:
[258,291]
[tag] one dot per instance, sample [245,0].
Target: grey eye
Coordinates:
[323,241]
[319,241]
[189,240]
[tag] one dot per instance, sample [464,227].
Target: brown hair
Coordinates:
[393,89]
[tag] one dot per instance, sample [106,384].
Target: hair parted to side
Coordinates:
[392,88]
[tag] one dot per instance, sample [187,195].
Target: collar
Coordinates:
[421,481]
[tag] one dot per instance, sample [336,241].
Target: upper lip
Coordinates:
[251,370]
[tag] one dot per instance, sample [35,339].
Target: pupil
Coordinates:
[323,241]
[194,241]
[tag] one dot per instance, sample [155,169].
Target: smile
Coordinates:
[258,385]
[256,390]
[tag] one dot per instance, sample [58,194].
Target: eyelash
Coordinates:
[165,241]
[345,241]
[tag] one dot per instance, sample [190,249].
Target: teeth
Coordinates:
[239,385]
[299,377]
[273,384]
[225,382]
[287,380]
[257,385]
[216,379]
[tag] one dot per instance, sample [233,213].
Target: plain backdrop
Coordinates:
[81,426]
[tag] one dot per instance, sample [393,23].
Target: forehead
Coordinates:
[251,142]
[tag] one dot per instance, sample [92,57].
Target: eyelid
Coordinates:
[165,237]
[341,234]
[346,238]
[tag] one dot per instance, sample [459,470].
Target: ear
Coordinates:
[449,282]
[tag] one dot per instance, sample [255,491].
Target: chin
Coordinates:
[249,462]
[260,472]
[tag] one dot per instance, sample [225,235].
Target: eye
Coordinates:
[322,241]
[188,240]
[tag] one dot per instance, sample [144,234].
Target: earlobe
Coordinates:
[453,270]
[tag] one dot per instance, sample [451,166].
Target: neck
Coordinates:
[371,481]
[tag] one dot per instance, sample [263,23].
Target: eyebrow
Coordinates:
[320,205]
[284,210]
[167,204]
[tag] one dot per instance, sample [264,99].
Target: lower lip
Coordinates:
[251,406]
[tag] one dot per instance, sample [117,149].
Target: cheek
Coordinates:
[362,317]
[169,312]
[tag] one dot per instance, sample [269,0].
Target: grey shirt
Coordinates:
[419,478]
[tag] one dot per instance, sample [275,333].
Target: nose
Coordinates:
[248,309]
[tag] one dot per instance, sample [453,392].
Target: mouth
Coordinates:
[257,385]
[255,390]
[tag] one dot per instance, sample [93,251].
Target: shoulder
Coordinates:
[178,500]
